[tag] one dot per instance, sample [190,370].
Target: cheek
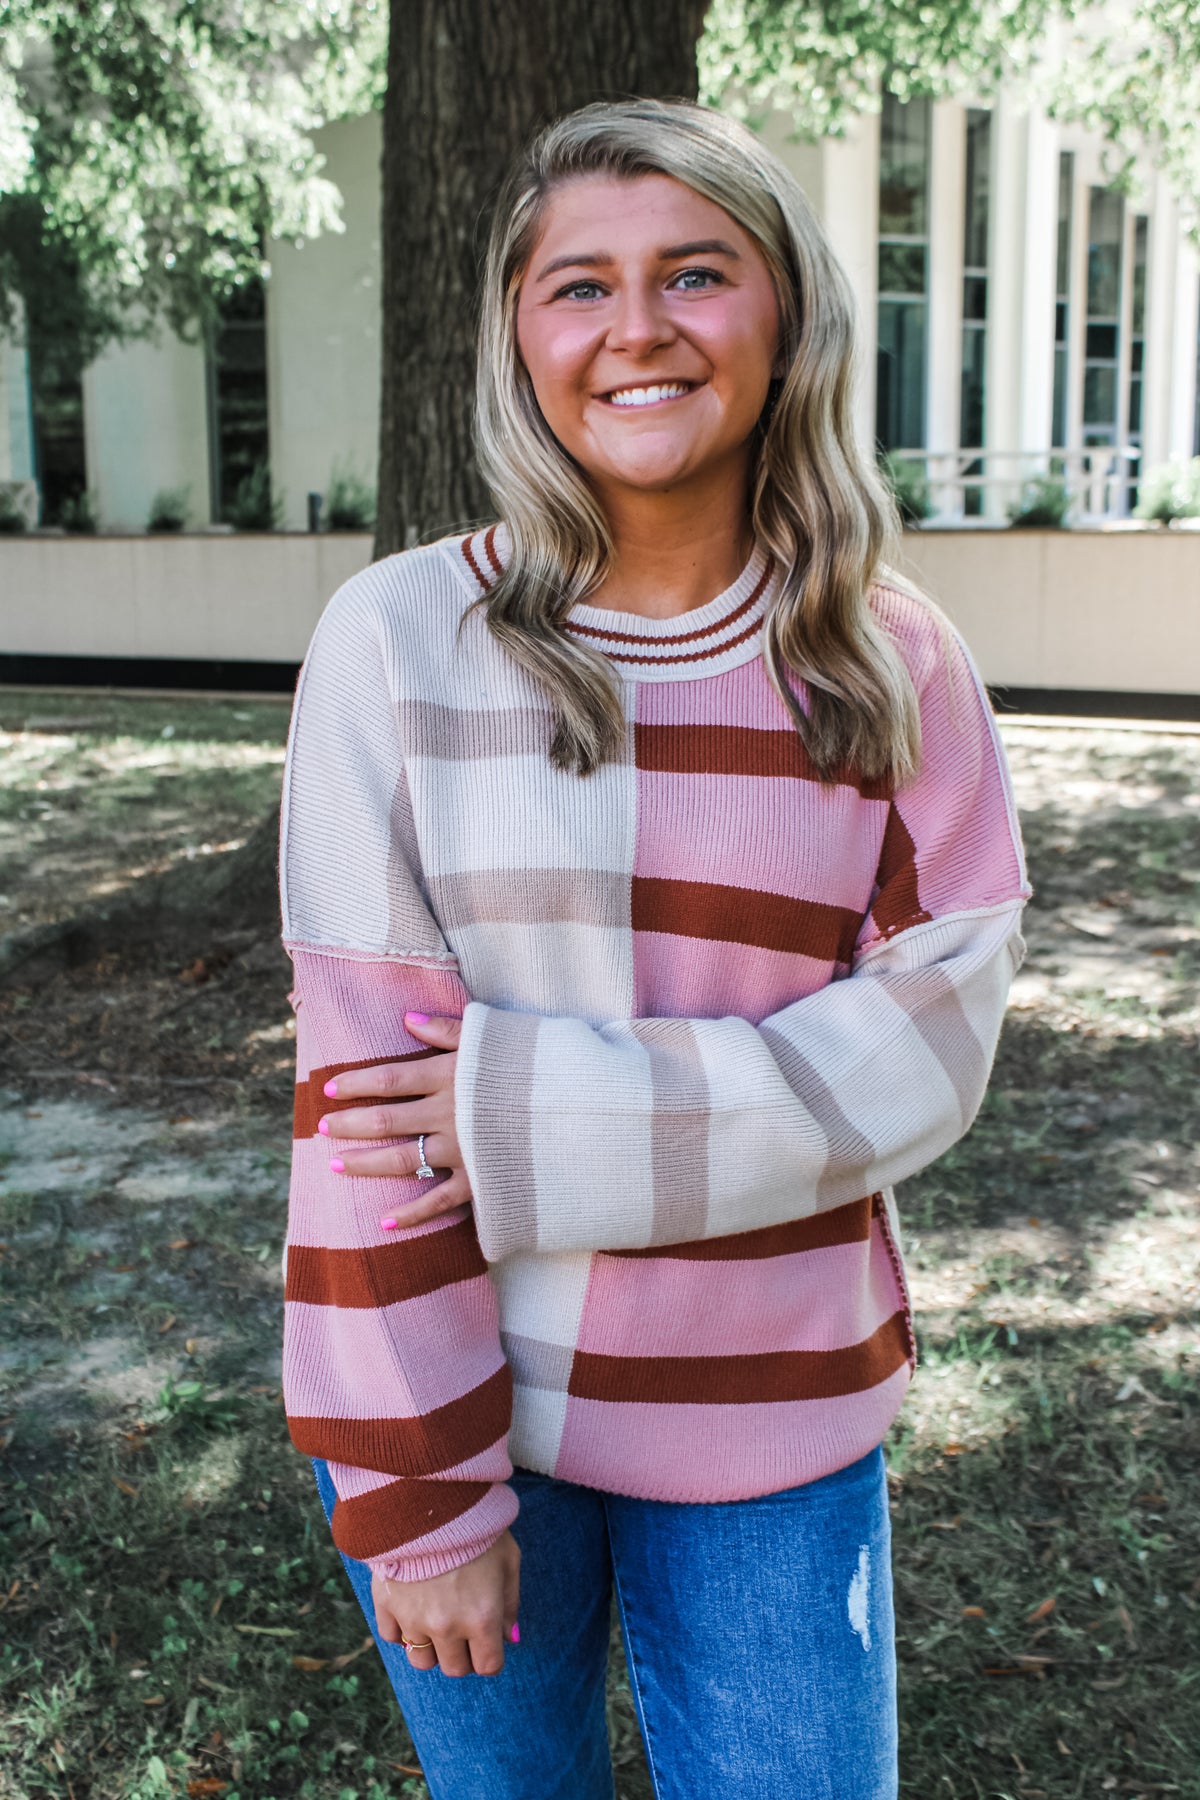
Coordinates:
[556,353]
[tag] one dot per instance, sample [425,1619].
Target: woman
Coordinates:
[652,882]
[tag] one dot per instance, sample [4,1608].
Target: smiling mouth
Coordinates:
[653,394]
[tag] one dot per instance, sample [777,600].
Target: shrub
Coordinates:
[255,505]
[168,510]
[1171,491]
[910,487]
[350,502]
[1045,501]
[12,513]
[77,513]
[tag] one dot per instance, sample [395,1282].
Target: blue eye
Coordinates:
[576,291]
[694,281]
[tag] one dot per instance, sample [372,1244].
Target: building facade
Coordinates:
[1020,318]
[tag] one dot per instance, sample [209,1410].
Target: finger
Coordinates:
[406,1119]
[512,1598]
[415,1075]
[392,1159]
[443,1034]
[454,1656]
[487,1650]
[445,1198]
[386,1623]
[426,1656]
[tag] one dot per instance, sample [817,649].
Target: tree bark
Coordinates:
[468,83]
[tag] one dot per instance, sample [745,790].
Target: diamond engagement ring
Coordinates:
[424,1172]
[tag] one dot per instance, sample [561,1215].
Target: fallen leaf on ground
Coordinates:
[208,1784]
[308,1665]
[126,1487]
[1042,1611]
[406,1768]
[155,1700]
[166,1324]
[946,1524]
[973,1612]
[180,1244]
[267,1630]
[341,1662]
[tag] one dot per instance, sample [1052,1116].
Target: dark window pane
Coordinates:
[971,417]
[1066,188]
[903,167]
[1060,322]
[979,134]
[975,297]
[902,268]
[1058,411]
[56,408]
[1101,343]
[1136,353]
[1105,230]
[1141,226]
[1135,406]
[900,375]
[1100,397]
[238,394]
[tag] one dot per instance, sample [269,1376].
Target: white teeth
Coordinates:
[647,396]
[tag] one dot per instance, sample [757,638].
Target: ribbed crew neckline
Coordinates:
[708,640]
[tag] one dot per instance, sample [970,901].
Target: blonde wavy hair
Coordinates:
[818,506]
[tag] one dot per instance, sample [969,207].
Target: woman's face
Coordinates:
[648,322]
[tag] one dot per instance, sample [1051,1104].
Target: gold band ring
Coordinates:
[410,1644]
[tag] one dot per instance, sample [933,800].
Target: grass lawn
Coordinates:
[173,1619]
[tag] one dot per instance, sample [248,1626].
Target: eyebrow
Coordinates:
[602,259]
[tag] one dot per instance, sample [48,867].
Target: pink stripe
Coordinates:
[701,978]
[352,1010]
[713,1453]
[342,1212]
[741,696]
[394,1363]
[784,837]
[681,1308]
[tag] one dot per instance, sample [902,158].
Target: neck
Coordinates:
[674,551]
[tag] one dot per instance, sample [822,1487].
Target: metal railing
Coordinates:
[1101,481]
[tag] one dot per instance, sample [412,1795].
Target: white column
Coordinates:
[1162,258]
[1035,373]
[1183,377]
[1006,285]
[850,214]
[16,424]
[145,420]
[948,160]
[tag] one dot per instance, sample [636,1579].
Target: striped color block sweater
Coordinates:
[712,1008]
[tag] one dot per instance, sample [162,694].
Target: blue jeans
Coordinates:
[758,1634]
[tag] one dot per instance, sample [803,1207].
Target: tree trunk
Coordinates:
[468,82]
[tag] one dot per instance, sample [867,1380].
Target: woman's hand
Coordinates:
[420,1102]
[470,1612]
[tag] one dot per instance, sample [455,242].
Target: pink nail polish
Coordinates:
[387,1224]
[331,1090]
[338,1166]
[418,1018]
[323,1127]
[516,1633]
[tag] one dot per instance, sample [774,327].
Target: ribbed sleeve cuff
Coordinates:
[493,1098]
[456,1542]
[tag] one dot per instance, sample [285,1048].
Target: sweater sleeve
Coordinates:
[392,1366]
[654,1131]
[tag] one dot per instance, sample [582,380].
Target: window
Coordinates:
[1137,339]
[972,406]
[903,273]
[56,411]
[237,395]
[1102,346]
[1062,298]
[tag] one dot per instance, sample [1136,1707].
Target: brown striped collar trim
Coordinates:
[667,645]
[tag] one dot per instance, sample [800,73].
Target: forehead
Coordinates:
[609,213]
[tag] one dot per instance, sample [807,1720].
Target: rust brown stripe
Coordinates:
[823,1231]
[686,637]
[489,550]
[737,915]
[418,1446]
[898,903]
[389,1517]
[687,656]
[311,1104]
[742,1380]
[738,750]
[383,1274]
[476,571]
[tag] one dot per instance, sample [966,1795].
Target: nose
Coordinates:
[640,322]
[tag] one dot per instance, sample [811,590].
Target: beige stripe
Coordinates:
[946,1029]
[679,1125]
[458,734]
[545,896]
[536,1364]
[850,1152]
[502,1122]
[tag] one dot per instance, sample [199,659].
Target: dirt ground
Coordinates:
[174,1621]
